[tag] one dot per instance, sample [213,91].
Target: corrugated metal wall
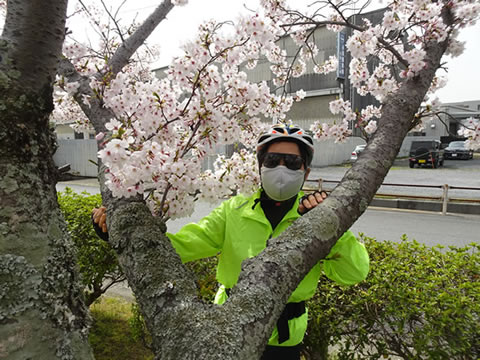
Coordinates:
[77,153]
[328,153]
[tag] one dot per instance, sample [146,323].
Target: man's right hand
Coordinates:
[310,201]
[99,216]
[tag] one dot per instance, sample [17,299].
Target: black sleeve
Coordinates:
[102,235]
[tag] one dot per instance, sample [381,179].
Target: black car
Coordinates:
[423,152]
[457,150]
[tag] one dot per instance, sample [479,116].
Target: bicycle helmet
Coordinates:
[284,132]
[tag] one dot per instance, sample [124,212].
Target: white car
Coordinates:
[356,152]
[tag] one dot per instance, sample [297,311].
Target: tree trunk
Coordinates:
[42,315]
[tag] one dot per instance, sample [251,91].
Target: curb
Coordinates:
[425,205]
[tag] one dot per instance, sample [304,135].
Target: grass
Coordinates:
[110,335]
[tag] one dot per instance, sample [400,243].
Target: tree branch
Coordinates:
[100,31]
[95,112]
[348,24]
[129,46]
[113,18]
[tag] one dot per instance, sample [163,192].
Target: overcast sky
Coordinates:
[182,23]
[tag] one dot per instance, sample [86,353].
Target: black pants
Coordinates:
[281,353]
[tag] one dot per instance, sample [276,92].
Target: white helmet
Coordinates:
[288,133]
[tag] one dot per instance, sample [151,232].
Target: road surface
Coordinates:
[459,173]
[389,224]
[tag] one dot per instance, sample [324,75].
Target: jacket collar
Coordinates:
[254,210]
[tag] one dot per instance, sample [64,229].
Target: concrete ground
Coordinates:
[403,184]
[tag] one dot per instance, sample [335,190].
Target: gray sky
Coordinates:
[182,23]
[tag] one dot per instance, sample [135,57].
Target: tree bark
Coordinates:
[42,315]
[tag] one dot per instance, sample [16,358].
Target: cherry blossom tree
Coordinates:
[154,133]
[42,314]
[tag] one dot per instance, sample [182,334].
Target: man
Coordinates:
[241,227]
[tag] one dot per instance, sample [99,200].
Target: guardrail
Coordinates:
[444,198]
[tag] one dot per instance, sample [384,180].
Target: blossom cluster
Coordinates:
[340,131]
[471,130]
[204,101]
[419,22]
[67,110]
[236,173]
[368,118]
[323,130]
[92,63]
[328,66]
[164,128]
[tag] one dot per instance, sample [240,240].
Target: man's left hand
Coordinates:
[308,202]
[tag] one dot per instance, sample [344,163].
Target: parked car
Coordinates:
[356,152]
[457,150]
[423,152]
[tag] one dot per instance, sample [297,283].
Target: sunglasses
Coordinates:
[291,161]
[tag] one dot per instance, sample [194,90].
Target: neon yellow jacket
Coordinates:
[238,232]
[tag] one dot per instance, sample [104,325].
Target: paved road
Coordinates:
[88,185]
[460,173]
[425,227]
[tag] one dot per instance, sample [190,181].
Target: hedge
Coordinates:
[96,259]
[418,302]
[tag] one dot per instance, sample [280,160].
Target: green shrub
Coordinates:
[205,271]
[96,259]
[418,302]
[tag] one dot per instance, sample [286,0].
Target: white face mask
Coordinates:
[281,183]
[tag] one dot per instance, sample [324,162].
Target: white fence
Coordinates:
[77,153]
